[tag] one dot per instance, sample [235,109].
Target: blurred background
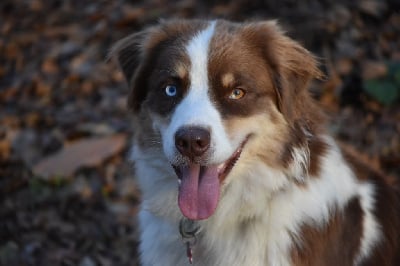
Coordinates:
[67,196]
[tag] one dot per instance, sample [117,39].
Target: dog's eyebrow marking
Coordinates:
[197,49]
[181,70]
[228,80]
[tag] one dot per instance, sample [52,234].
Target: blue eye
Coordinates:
[171,90]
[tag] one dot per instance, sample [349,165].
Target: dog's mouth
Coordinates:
[199,186]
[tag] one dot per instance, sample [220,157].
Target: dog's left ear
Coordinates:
[292,68]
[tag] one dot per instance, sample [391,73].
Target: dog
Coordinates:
[232,157]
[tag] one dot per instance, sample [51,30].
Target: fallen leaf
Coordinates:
[49,66]
[374,70]
[371,161]
[373,8]
[87,152]
[5,149]
[344,66]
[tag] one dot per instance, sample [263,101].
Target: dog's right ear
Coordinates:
[128,52]
[131,54]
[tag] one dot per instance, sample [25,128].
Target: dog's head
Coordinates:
[217,93]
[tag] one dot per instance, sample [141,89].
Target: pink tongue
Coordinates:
[198,191]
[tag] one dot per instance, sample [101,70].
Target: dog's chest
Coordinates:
[251,243]
[230,237]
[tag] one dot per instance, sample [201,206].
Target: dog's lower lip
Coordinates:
[226,167]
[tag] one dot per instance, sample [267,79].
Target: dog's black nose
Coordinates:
[192,141]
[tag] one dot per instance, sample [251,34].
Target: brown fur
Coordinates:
[336,243]
[387,210]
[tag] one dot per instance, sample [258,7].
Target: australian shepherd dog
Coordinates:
[232,158]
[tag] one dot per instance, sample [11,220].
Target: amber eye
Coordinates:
[237,94]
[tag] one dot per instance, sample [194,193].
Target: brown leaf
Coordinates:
[5,149]
[49,66]
[32,119]
[87,152]
[373,70]
[130,15]
[344,66]
[36,5]
[329,98]
[374,8]
[371,161]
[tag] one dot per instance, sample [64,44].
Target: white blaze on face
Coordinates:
[196,109]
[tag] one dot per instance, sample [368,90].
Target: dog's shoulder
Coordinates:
[386,207]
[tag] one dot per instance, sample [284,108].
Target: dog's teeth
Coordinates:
[179,182]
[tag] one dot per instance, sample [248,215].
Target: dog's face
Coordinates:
[219,97]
